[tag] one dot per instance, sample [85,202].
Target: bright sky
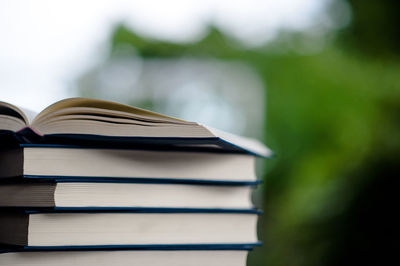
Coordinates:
[45,45]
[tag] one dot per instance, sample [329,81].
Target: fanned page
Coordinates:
[12,118]
[99,117]
[29,114]
[82,119]
[103,106]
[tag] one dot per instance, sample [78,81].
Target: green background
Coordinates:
[333,120]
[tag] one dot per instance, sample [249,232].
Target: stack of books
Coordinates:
[91,182]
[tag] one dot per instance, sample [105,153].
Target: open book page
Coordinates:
[78,105]
[12,118]
[29,114]
[12,110]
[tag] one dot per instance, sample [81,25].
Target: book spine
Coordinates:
[104,179]
[14,228]
[168,247]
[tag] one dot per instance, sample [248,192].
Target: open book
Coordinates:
[82,120]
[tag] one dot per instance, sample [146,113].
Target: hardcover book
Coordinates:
[81,120]
[98,163]
[105,195]
[127,229]
[127,258]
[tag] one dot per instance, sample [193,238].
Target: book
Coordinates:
[127,258]
[92,121]
[105,195]
[126,229]
[98,163]
[93,182]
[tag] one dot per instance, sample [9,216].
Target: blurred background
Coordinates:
[318,81]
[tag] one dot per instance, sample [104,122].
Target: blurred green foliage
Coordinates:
[333,121]
[375,27]
[330,116]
